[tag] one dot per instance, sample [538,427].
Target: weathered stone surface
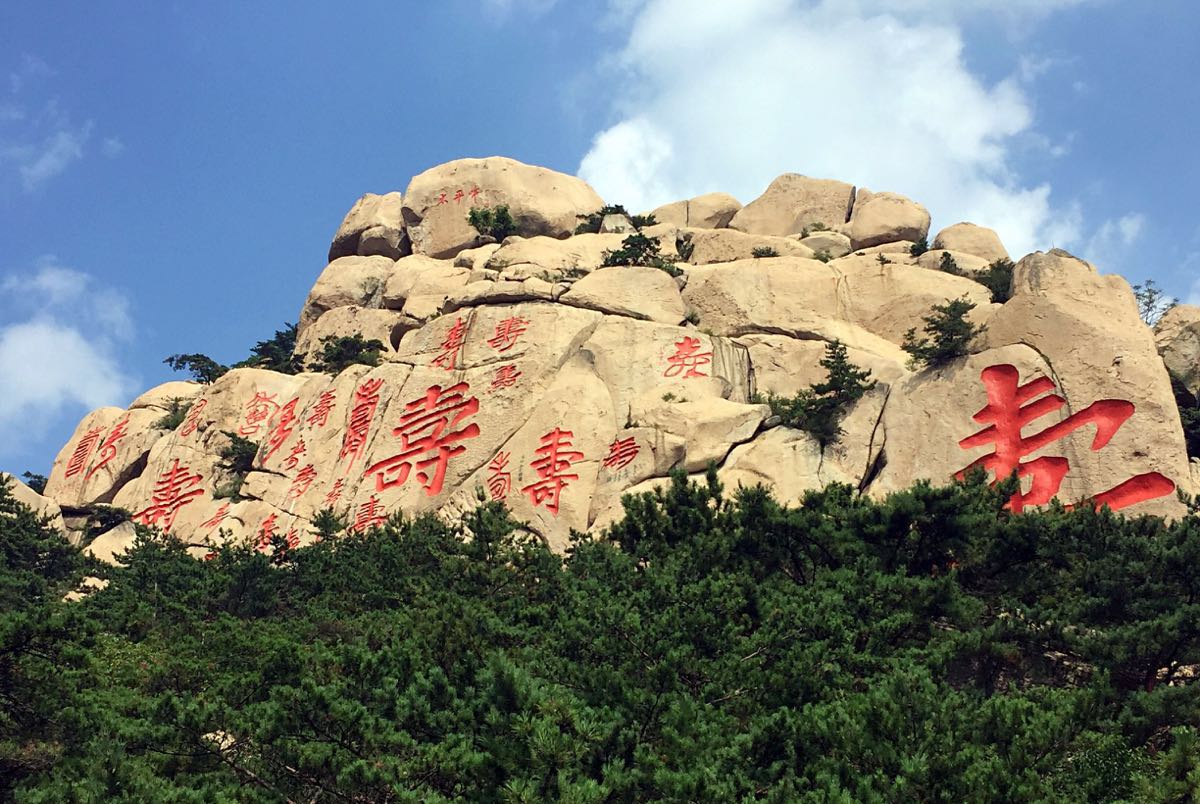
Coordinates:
[501,291]
[107,450]
[785,366]
[1177,336]
[932,260]
[708,211]
[787,461]
[476,258]
[160,397]
[109,545]
[887,218]
[42,505]
[792,202]
[616,224]
[835,244]
[855,299]
[541,202]
[971,238]
[575,255]
[638,292]
[384,241]
[346,281]
[385,326]
[418,286]
[368,212]
[709,246]
[709,427]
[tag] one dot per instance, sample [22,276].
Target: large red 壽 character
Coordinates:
[621,453]
[428,438]
[554,458]
[507,333]
[175,488]
[320,412]
[1011,406]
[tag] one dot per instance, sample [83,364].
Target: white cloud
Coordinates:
[1111,243]
[725,96]
[58,357]
[38,139]
[112,147]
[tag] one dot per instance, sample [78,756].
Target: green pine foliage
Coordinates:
[177,410]
[340,352]
[920,247]
[202,368]
[948,335]
[714,647]
[35,481]
[819,408]
[997,278]
[763,251]
[638,249]
[275,353]
[496,222]
[949,265]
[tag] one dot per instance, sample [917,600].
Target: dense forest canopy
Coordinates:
[714,647]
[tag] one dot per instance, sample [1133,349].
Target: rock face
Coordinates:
[541,202]
[527,373]
[1178,338]
[792,202]
[373,226]
[971,239]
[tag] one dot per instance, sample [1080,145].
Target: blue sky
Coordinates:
[171,173]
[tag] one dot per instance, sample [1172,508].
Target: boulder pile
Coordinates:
[522,369]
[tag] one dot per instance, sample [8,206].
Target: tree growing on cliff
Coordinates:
[948,334]
[819,409]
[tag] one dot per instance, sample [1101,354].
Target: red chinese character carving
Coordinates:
[174,489]
[621,453]
[366,399]
[507,332]
[441,199]
[320,412]
[300,483]
[217,518]
[258,410]
[83,451]
[108,449]
[427,429]
[282,429]
[475,191]
[553,460]
[499,480]
[369,515]
[335,493]
[1011,406]
[455,336]
[505,377]
[688,357]
[293,458]
[458,196]
[193,419]
[291,541]
[266,532]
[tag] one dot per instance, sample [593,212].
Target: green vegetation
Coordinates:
[275,353]
[177,410]
[764,251]
[35,481]
[813,227]
[823,255]
[997,278]
[920,247]
[590,223]
[237,459]
[949,265]
[1189,415]
[949,335]
[929,647]
[495,222]
[882,259]
[819,408]
[1153,304]
[637,249]
[340,352]
[202,367]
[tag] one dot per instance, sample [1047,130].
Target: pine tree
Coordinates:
[949,335]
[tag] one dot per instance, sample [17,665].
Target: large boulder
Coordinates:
[708,211]
[971,239]
[418,286]
[106,451]
[41,505]
[373,226]
[792,202]
[705,246]
[346,281]
[574,255]
[541,202]
[1177,336]
[635,291]
[886,218]
[385,326]
[1087,329]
